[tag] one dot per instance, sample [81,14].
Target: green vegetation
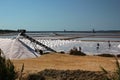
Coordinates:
[7,69]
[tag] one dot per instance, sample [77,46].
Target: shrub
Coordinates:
[75,51]
[106,55]
[118,55]
[52,74]
[62,52]
[35,77]
[7,69]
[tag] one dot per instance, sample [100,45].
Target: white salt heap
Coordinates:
[23,48]
[119,46]
[87,46]
[16,49]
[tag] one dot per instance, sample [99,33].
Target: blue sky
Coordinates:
[50,15]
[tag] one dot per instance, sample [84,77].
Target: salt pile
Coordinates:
[87,47]
[23,48]
[16,49]
[119,46]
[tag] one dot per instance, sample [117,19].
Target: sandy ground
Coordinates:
[65,62]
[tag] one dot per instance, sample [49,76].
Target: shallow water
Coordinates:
[99,39]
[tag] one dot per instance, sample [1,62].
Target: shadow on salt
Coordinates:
[16,49]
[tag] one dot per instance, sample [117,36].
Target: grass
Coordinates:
[7,69]
[52,74]
[116,75]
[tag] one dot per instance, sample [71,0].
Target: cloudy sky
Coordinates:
[57,15]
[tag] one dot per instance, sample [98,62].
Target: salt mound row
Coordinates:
[87,47]
[16,49]
[23,48]
[57,45]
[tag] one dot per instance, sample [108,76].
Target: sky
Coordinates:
[59,15]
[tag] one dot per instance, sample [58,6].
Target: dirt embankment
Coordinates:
[65,62]
[65,67]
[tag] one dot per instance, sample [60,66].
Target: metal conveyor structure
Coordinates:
[22,33]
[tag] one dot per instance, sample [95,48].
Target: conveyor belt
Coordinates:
[35,41]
